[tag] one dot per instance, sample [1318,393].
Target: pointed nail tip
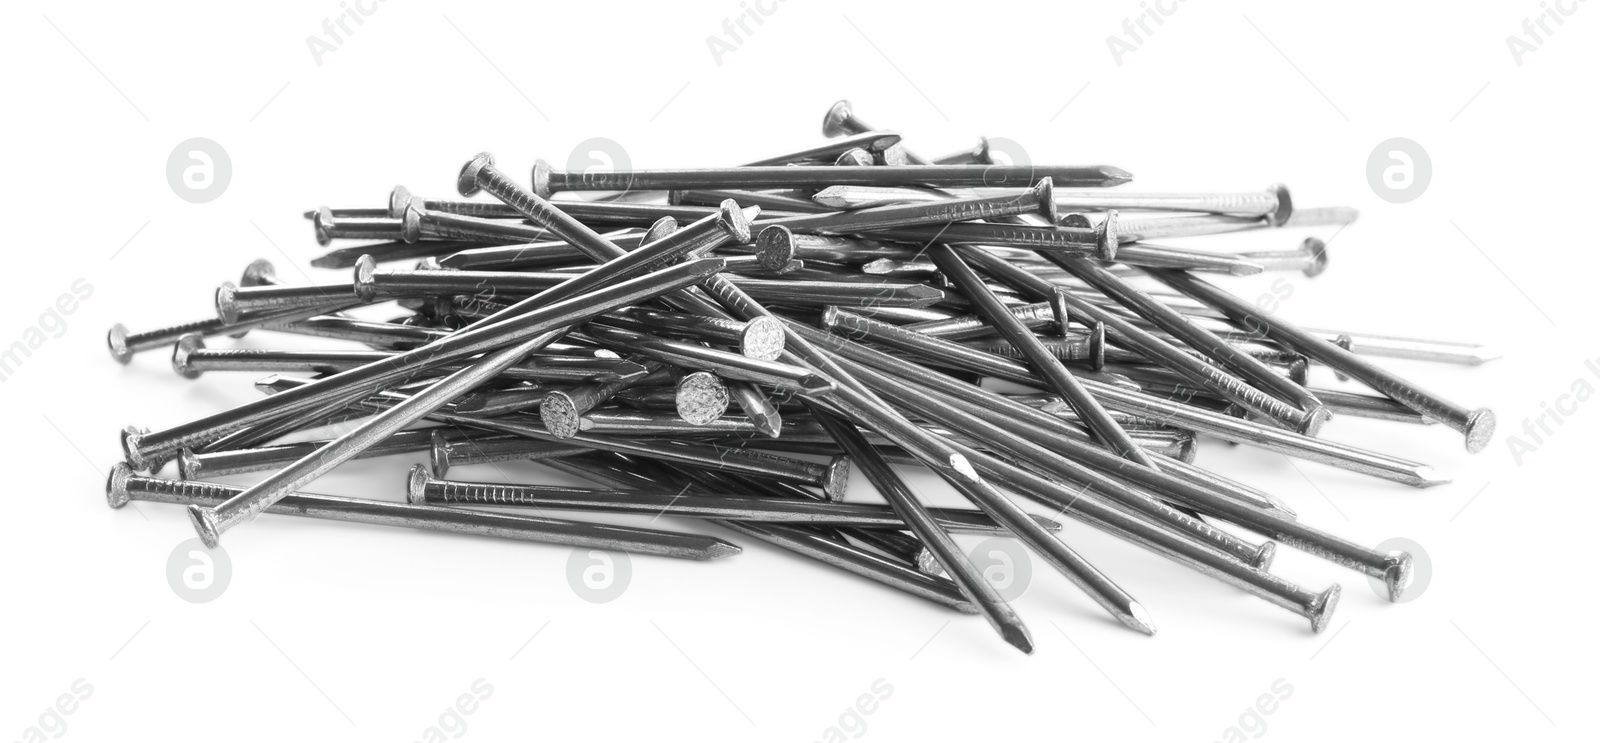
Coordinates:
[1137,618]
[722,549]
[818,386]
[1018,637]
[1115,176]
[1427,477]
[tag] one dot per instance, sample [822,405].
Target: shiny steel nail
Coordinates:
[520,321]
[962,327]
[123,486]
[760,339]
[921,522]
[774,204]
[1099,241]
[234,302]
[1152,228]
[547,181]
[1124,333]
[867,408]
[1311,258]
[123,344]
[389,252]
[1117,397]
[427,489]
[1273,204]
[992,501]
[870,141]
[1036,199]
[841,121]
[633,424]
[831,478]
[728,365]
[1087,466]
[1160,256]
[976,155]
[1476,425]
[447,226]
[1219,351]
[210,523]
[1060,381]
[200,466]
[328,227]
[190,358]
[1314,606]
[560,409]
[777,246]
[450,448]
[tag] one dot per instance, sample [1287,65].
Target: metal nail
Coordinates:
[869,141]
[976,155]
[936,212]
[194,465]
[210,523]
[774,204]
[123,486]
[1058,379]
[560,409]
[451,447]
[760,339]
[427,489]
[921,522]
[831,478]
[1311,258]
[727,365]
[1124,333]
[522,320]
[1476,425]
[1088,466]
[1099,241]
[547,181]
[327,227]
[123,344]
[1219,351]
[1314,606]
[841,121]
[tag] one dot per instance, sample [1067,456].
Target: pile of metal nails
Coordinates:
[848,299]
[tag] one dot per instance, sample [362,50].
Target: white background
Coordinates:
[340,631]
